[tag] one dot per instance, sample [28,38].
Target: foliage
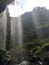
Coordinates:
[4,57]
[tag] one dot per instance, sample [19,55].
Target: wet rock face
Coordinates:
[24,63]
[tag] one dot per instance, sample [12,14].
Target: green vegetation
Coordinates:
[4,57]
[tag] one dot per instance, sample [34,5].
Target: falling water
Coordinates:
[16,30]
[20,31]
[3,20]
[10,26]
[16,27]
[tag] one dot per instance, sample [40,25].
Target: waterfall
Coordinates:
[15,20]
[3,20]
[11,30]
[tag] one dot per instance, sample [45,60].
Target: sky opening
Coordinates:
[21,6]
